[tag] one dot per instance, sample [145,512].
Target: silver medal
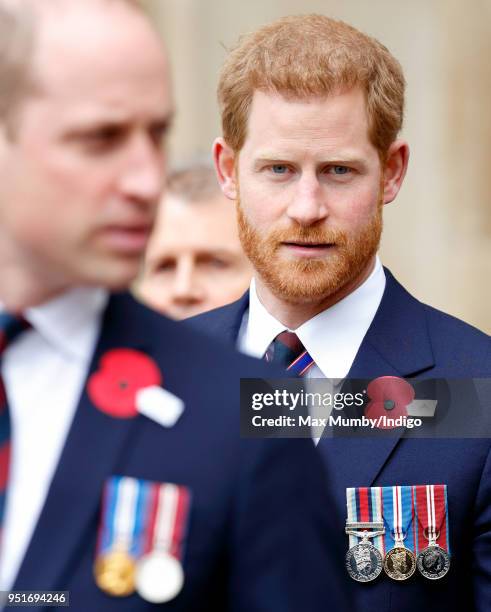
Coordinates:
[364,562]
[159,577]
[433,562]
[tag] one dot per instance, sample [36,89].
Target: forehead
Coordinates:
[315,123]
[182,225]
[109,54]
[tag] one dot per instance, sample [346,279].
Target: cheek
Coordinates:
[355,207]
[262,206]
[74,178]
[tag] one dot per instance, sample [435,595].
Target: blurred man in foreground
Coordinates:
[311,112]
[194,260]
[127,486]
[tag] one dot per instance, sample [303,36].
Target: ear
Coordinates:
[224,159]
[395,169]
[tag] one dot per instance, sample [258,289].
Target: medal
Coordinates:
[114,568]
[364,559]
[433,560]
[159,577]
[159,574]
[400,563]
[115,573]
[140,544]
[398,511]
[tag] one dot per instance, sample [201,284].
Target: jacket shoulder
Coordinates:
[453,339]
[222,323]
[212,317]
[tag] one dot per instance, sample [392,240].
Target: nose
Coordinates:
[186,289]
[142,180]
[309,204]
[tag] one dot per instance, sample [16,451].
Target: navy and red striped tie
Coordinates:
[288,352]
[10,327]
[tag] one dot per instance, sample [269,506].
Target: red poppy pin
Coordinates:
[389,396]
[121,375]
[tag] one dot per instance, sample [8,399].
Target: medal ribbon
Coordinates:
[398,512]
[432,512]
[140,516]
[364,505]
[117,532]
[169,510]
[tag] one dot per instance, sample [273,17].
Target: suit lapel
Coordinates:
[398,335]
[231,319]
[94,444]
[396,344]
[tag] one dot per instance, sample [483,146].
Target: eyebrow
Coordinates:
[90,126]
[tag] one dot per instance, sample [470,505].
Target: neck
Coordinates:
[20,290]
[292,315]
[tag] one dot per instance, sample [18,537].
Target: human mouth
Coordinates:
[130,239]
[307,249]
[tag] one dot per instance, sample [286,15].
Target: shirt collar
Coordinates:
[71,321]
[259,328]
[332,337]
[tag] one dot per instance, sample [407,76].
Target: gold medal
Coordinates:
[400,563]
[115,573]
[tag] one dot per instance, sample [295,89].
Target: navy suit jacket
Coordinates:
[252,500]
[410,339]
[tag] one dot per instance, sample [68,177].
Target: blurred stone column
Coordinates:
[181,25]
[468,153]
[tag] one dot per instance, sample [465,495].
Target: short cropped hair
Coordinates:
[308,56]
[18,23]
[194,181]
[16,43]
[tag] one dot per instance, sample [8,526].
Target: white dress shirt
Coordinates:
[332,338]
[44,371]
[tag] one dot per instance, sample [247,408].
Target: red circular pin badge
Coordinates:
[389,396]
[121,374]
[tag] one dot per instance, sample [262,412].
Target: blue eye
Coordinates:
[279,169]
[340,170]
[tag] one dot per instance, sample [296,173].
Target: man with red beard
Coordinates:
[311,111]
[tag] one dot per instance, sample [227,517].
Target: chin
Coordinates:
[301,296]
[303,286]
[114,278]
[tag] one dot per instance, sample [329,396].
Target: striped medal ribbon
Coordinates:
[141,539]
[364,520]
[114,568]
[398,513]
[159,574]
[433,560]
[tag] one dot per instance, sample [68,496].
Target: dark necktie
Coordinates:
[288,352]
[10,327]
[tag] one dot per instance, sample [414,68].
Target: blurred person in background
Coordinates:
[120,481]
[194,260]
[311,112]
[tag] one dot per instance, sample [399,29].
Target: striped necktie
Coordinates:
[10,327]
[288,352]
